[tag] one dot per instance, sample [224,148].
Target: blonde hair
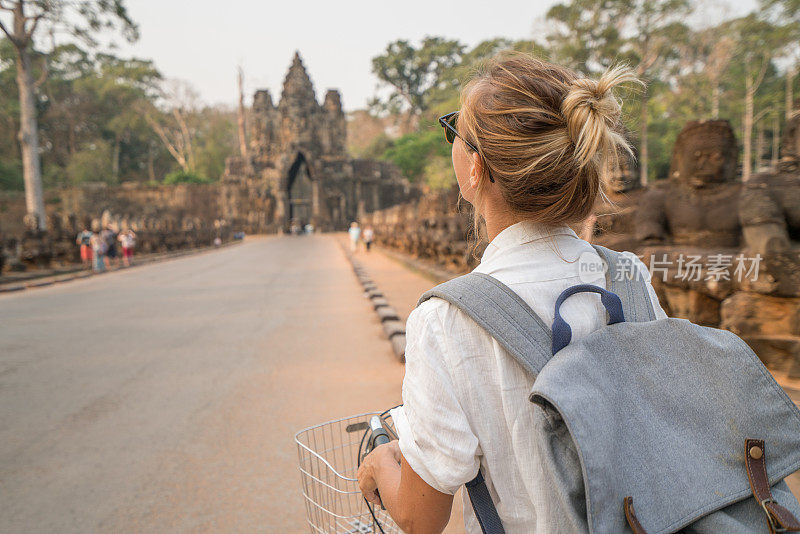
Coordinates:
[548,136]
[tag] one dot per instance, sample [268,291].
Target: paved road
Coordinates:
[166,397]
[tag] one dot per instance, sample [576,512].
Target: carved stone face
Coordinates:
[704,154]
[625,177]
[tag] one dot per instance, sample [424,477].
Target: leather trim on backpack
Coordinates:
[630,515]
[779,518]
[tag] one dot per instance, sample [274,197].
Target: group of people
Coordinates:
[356,234]
[99,249]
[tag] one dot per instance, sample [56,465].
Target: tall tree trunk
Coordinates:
[643,155]
[715,101]
[776,131]
[747,128]
[241,116]
[151,171]
[115,158]
[790,91]
[758,164]
[29,137]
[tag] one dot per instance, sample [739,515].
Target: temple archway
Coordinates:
[299,193]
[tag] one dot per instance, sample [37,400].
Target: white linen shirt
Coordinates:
[466,398]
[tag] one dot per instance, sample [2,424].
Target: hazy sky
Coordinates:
[202,41]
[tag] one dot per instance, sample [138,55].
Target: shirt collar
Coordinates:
[524,232]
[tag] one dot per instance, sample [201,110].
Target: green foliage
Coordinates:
[439,173]
[86,19]
[92,123]
[94,100]
[90,164]
[782,9]
[378,147]
[216,139]
[11,177]
[185,177]
[413,152]
[411,73]
[426,82]
[692,73]
[584,34]
[9,106]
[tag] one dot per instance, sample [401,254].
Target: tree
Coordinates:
[174,125]
[758,42]
[27,17]
[89,104]
[704,58]
[655,28]
[444,97]
[592,34]
[10,174]
[215,140]
[413,152]
[119,85]
[412,73]
[787,14]
[586,34]
[718,61]
[241,120]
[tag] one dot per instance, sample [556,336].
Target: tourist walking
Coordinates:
[84,241]
[99,247]
[127,240]
[369,235]
[110,237]
[355,234]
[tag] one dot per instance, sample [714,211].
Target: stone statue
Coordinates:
[625,176]
[690,219]
[696,205]
[769,210]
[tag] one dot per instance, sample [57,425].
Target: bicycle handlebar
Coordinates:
[379,435]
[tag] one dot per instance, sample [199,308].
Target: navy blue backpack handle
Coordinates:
[562,333]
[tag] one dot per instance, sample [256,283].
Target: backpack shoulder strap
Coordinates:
[624,279]
[502,313]
[509,320]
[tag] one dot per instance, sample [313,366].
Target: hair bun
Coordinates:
[593,113]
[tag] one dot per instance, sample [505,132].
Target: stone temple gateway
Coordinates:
[297,170]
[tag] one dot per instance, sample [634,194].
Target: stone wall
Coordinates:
[163,217]
[432,228]
[700,213]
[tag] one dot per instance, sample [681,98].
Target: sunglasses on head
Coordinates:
[449,122]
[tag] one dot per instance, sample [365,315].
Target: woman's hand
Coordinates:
[413,504]
[383,457]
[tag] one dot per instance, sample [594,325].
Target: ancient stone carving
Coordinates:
[769,209]
[297,168]
[696,205]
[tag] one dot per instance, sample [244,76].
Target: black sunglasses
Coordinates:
[448,122]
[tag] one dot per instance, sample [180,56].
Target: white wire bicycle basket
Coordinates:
[329,457]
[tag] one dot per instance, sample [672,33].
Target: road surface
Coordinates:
[166,397]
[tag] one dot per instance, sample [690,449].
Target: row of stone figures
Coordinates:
[430,229]
[154,234]
[721,253]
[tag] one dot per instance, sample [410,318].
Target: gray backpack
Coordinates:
[683,419]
